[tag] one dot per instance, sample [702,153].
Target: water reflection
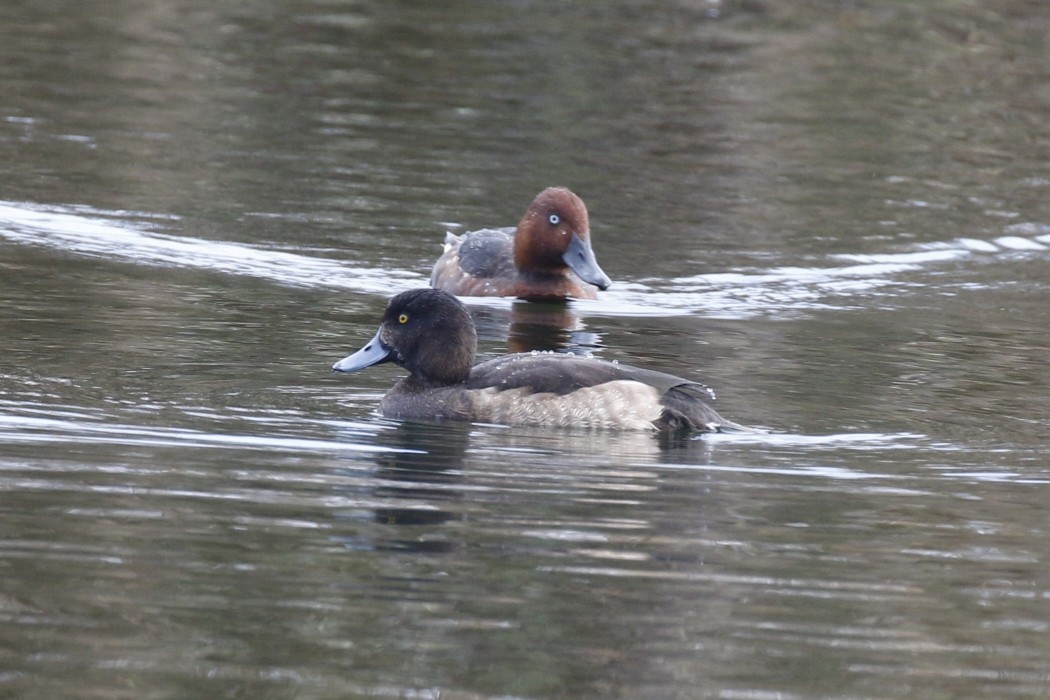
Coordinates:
[526,326]
[426,471]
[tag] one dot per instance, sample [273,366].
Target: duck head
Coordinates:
[428,332]
[554,234]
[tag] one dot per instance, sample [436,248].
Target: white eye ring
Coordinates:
[554,219]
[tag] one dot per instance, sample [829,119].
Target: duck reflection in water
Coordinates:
[423,470]
[527,326]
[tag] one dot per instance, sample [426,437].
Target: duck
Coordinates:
[548,256]
[430,333]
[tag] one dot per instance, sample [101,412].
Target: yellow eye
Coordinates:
[403,318]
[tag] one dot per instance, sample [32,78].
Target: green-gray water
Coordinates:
[836,214]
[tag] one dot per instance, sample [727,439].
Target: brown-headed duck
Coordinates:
[548,255]
[430,333]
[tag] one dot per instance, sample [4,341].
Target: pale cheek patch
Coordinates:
[622,404]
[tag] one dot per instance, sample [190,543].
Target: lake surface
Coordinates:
[835,214]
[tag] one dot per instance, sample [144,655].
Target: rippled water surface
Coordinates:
[835,214]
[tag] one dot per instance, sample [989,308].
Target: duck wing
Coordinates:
[562,373]
[485,253]
[542,373]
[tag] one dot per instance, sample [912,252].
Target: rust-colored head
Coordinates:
[555,234]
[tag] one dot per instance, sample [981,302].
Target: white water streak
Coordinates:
[100,238]
[735,294]
[14,428]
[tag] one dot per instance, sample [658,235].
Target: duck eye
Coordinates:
[554,219]
[403,318]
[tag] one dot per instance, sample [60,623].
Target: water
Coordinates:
[835,215]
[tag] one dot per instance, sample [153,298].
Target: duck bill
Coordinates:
[374,353]
[580,258]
